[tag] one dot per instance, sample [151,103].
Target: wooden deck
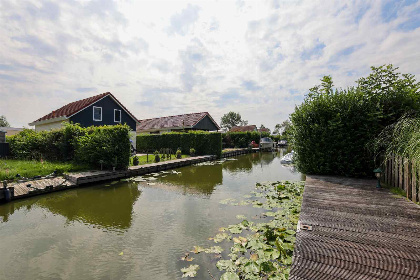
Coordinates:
[358,232]
[72,180]
[21,189]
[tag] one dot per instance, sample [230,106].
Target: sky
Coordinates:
[160,58]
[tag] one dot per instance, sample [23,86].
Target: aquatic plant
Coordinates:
[262,249]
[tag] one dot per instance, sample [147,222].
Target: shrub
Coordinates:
[111,144]
[332,129]
[204,143]
[90,145]
[178,154]
[136,160]
[242,139]
[192,152]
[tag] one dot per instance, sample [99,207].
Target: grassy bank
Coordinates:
[143,159]
[30,168]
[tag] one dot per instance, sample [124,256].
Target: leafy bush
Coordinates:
[136,160]
[242,139]
[178,154]
[192,152]
[205,143]
[111,144]
[107,144]
[333,129]
[402,138]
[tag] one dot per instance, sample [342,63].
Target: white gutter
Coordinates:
[48,121]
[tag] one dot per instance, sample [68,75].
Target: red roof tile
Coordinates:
[243,128]
[185,120]
[74,107]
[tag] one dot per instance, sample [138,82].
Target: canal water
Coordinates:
[131,229]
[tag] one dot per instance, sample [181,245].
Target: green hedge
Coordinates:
[242,139]
[204,143]
[333,130]
[91,145]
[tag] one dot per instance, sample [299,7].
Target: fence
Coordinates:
[404,174]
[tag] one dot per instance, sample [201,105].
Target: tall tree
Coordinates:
[3,121]
[281,128]
[232,119]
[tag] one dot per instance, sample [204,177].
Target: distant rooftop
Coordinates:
[178,121]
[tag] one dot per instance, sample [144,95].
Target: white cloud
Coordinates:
[159,58]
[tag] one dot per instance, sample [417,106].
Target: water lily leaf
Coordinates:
[292,232]
[220,237]
[243,203]
[190,271]
[120,254]
[222,229]
[214,249]
[240,217]
[229,276]
[235,229]
[227,201]
[270,214]
[225,265]
[254,257]
[197,249]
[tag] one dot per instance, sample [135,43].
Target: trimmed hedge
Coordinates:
[91,145]
[333,130]
[242,139]
[204,143]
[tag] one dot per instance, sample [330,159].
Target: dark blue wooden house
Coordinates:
[102,109]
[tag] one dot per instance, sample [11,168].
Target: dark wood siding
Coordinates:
[85,117]
[206,124]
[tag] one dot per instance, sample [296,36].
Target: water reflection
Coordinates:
[199,179]
[108,207]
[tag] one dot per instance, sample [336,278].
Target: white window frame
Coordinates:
[120,115]
[96,120]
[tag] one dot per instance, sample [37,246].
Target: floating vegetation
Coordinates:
[261,249]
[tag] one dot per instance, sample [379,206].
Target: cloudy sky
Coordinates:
[161,58]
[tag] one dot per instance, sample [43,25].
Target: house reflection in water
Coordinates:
[245,164]
[198,179]
[109,207]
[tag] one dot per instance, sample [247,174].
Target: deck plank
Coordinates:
[358,232]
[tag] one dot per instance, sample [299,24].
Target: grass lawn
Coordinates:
[30,168]
[143,159]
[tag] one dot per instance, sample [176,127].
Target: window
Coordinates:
[117,115]
[97,113]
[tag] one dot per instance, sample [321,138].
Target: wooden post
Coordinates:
[413,181]
[395,172]
[407,178]
[391,170]
[400,173]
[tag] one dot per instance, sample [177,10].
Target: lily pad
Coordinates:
[190,271]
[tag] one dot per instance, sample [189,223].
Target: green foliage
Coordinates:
[204,143]
[242,139]
[31,168]
[192,151]
[332,129]
[136,160]
[3,121]
[232,119]
[262,249]
[109,144]
[402,138]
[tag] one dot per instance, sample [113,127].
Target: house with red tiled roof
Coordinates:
[102,109]
[193,121]
[244,128]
